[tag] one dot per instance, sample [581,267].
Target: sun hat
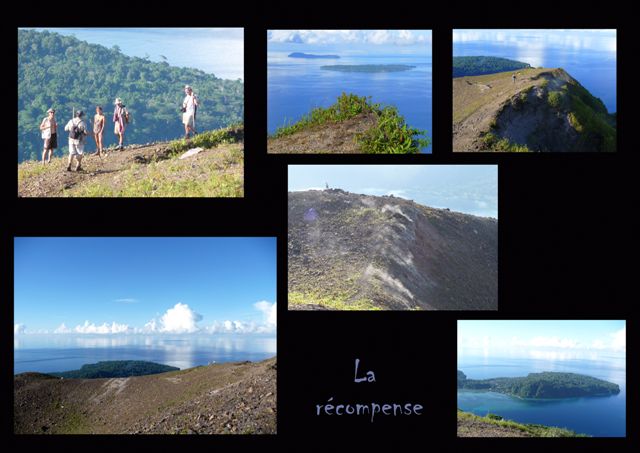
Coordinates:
[187,87]
[118,101]
[51,111]
[79,113]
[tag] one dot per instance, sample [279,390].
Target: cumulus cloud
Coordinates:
[114,327]
[180,319]
[62,329]
[267,326]
[18,329]
[375,37]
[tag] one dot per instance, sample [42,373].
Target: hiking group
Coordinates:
[78,131]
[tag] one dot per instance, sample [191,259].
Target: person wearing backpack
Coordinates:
[121,119]
[189,108]
[77,134]
[49,129]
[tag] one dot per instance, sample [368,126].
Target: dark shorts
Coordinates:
[51,143]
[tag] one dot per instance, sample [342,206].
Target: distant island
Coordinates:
[473,66]
[311,56]
[367,67]
[115,369]
[543,385]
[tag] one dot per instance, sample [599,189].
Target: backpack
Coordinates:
[76,131]
[127,118]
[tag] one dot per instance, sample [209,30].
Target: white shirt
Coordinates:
[190,102]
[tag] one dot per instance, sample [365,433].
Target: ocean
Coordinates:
[50,353]
[596,416]
[588,56]
[297,85]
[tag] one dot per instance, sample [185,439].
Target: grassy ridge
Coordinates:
[391,134]
[529,429]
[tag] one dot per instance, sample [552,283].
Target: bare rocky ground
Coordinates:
[393,252]
[335,138]
[120,168]
[469,427]
[480,101]
[229,398]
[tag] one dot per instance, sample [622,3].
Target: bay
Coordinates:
[596,416]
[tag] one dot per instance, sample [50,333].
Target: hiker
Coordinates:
[514,78]
[189,109]
[121,119]
[98,129]
[49,129]
[326,185]
[77,134]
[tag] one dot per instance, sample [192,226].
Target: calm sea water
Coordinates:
[590,57]
[295,86]
[48,353]
[596,416]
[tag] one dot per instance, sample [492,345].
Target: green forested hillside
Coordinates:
[547,384]
[65,73]
[116,368]
[472,66]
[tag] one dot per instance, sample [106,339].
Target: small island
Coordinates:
[115,369]
[311,56]
[543,385]
[473,66]
[367,67]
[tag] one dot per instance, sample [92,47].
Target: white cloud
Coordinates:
[114,327]
[18,329]
[62,329]
[127,300]
[375,37]
[179,319]
[619,340]
[268,326]
[269,310]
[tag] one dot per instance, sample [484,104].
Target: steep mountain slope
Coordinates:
[544,110]
[153,170]
[215,399]
[350,251]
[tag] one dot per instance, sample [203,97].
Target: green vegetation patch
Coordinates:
[589,117]
[494,143]
[391,134]
[531,429]
[116,368]
[340,302]
[555,99]
[209,139]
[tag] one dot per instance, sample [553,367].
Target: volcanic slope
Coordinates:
[216,399]
[349,252]
[543,110]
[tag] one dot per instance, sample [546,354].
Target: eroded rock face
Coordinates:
[390,251]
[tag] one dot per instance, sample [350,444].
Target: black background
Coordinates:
[567,233]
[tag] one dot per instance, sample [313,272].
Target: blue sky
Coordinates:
[522,337]
[218,51]
[351,42]
[472,189]
[155,285]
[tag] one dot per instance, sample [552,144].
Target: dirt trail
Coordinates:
[478,99]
